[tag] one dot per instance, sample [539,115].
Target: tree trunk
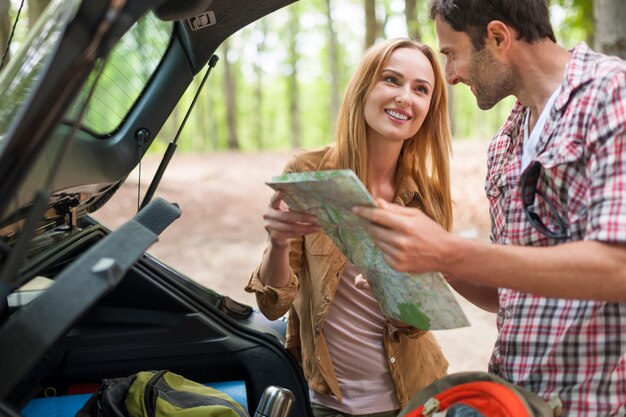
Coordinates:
[35,9]
[410,14]
[610,29]
[292,80]
[5,28]
[230,92]
[371,25]
[258,93]
[213,134]
[388,13]
[333,59]
[199,137]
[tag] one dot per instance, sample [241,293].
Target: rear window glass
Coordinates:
[125,74]
[21,76]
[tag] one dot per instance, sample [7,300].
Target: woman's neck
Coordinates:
[383,169]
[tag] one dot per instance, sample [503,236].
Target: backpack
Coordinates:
[159,394]
[478,394]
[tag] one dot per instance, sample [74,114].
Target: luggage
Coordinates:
[159,394]
[478,394]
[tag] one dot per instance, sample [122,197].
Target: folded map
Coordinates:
[421,300]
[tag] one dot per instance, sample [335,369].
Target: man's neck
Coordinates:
[541,68]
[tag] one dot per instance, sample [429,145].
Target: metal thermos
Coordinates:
[275,402]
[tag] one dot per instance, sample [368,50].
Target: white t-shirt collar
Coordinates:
[531,141]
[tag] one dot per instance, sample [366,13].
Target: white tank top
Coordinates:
[354,334]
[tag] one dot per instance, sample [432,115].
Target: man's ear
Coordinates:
[499,37]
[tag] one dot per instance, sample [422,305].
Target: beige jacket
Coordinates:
[414,357]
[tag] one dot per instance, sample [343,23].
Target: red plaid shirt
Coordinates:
[573,349]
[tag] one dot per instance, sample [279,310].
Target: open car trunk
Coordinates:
[154,319]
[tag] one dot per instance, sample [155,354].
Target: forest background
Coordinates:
[276,88]
[279,81]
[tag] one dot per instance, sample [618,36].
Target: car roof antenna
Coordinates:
[171,147]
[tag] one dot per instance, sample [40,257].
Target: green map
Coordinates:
[424,301]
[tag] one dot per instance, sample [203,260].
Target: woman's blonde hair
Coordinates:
[425,156]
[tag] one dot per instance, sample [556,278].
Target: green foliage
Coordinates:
[573,21]
[470,122]
[207,129]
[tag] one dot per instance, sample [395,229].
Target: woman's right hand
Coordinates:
[283,225]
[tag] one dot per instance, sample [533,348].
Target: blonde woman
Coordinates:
[393,132]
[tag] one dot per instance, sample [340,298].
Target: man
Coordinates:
[556,185]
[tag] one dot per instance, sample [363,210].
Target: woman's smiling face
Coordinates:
[396,106]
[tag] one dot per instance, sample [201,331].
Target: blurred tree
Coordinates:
[610,29]
[35,9]
[371,24]
[258,91]
[200,137]
[577,23]
[385,12]
[292,79]
[230,95]
[212,123]
[410,13]
[333,52]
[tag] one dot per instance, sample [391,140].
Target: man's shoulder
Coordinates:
[611,79]
[602,97]
[610,71]
[598,69]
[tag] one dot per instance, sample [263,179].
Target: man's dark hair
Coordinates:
[530,18]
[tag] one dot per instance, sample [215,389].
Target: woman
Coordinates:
[393,132]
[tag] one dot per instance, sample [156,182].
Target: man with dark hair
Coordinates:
[556,184]
[529,18]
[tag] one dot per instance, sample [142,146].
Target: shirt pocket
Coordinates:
[318,261]
[560,150]
[563,182]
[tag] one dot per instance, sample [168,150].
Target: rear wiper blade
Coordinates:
[171,147]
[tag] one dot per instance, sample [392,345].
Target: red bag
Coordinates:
[478,394]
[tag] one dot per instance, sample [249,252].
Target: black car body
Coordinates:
[79,302]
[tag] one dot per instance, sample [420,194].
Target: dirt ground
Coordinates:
[220,237]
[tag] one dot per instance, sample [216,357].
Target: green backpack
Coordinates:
[159,394]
